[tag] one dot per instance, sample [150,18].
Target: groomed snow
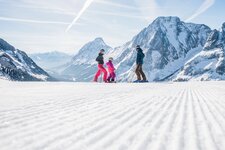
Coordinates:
[90,116]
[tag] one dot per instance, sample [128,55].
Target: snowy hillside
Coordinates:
[209,64]
[165,116]
[16,65]
[83,64]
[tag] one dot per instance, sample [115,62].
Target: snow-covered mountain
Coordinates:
[83,66]
[16,65]
[171,47]
[167,43]
[51,60]
[209,64]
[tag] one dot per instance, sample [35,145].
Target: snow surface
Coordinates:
[92,116]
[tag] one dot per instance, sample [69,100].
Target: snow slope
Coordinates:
[91,116]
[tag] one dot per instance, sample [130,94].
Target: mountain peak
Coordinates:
[98,39]
[89,51]
[167,19]
[163,23]
[97,42]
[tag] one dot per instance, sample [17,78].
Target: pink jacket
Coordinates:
[110,66]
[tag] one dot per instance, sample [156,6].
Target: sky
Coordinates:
[37,26]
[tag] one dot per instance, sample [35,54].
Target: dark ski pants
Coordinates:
[139,72]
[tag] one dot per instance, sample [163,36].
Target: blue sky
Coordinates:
[40,25]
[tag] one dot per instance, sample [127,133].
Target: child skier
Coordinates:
[111,70]
[100,60]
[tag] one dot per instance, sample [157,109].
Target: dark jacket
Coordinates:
[100,59]
[140,56]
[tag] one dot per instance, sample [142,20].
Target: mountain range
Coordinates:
[175,51]
[51,60]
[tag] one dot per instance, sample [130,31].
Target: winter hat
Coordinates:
[110,58]
[102,50]
[138,46]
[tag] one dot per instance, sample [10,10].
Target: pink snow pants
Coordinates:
[100,70]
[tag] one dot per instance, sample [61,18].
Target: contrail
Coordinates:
[206,5]
[86,5]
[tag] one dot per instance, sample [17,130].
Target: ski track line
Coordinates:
[162,140]
[214,123]
[177,142]
[168,125]
[206,133]
[127,120]
[129,124]
[104,132]
[136,125]
[32,115]
[117,117]
[134,136]
[213,110]
[218,108]
[36,113]
[153,123]
[178,116]
[218,101]
[195,121]
[121,119]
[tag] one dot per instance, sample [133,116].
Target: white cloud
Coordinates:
[205,5]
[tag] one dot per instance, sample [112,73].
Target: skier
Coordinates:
[139,62]
[100,60]
[111,70]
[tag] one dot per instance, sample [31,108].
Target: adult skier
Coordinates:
[139,62]
[100,60]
